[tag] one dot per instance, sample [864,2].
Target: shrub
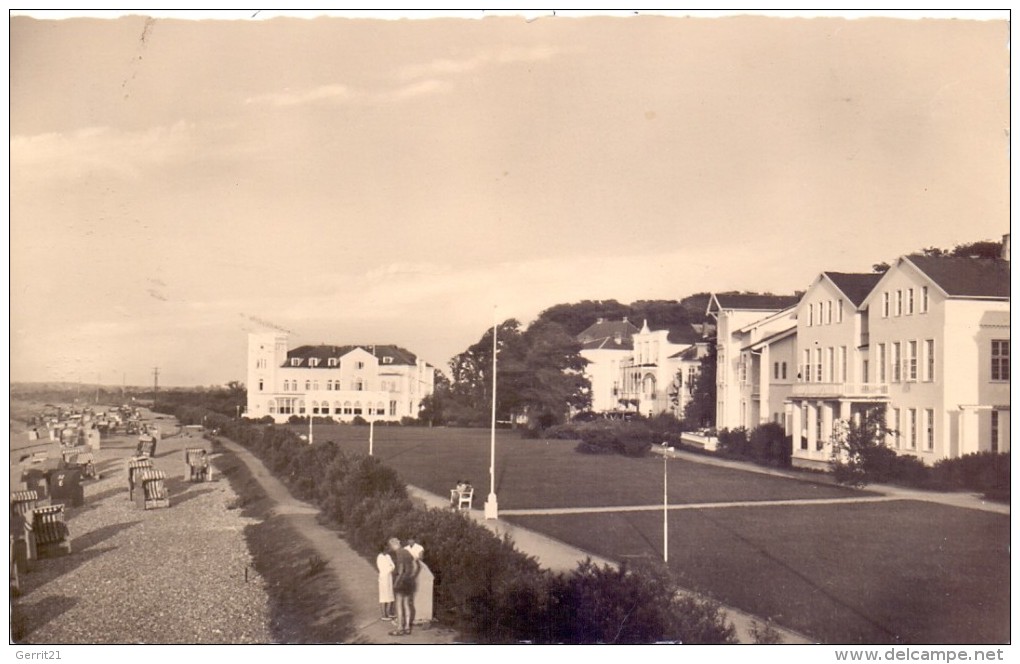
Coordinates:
[564,432]
[770,446]
[408,421]
[609,436]
[359,420]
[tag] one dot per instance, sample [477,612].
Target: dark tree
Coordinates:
[700,410]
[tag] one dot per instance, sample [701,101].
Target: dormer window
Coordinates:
[313,362]
[331,362]
[387,360]
[295,361]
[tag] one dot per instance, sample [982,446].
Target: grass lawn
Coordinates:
[549,473]
[903,571]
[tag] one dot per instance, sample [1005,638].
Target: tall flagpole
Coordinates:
[665,506]
[491,508]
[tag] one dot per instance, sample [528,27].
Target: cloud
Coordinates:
[503,56]
[323,93]
[122,153]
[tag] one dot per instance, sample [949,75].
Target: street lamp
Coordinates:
[491,508]
[665,503]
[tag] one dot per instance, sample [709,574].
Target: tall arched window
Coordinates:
[308,385]
[357,408]
[347,408]
[301,406]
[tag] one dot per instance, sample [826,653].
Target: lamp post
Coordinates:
[310,434]
[665,503]
[491,507]
[371,431]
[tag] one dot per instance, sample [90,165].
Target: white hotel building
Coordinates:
[377,382]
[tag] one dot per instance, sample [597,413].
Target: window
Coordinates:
[929,356]
[929,425]
[864,371]
[313,362]
[329,385]
[775,370]
[828,312]
[924,299]
[1000,359]
[910,301]
[387,360]
[830,362]
[881,363]
[393,408]
[995,431]
[379,408]
[839,311]
[896,368]
[308,385]
[895,426]
[783,370]
[818,364]
[286,385]
[359,385]
[842,364]
[361,365]
[357,408]
[331,362]
[885,304]
[810,315]
[272,406]
[743,369]
[295,361]
[899,302]
[912,360]
[347,408]
[807,366]
[260,384]
[912,427]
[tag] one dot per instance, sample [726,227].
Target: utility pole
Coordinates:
[155,382]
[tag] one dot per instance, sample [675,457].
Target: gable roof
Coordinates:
[689,353]
[752,301]
[324,352]
[965,277]
[685,334]
[604,333]
[855,285]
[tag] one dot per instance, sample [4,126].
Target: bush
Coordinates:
[359,421]
[484,586]
[409,421]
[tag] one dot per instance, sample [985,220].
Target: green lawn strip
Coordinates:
[903,571]
[549,473]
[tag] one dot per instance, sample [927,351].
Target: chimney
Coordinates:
[600,319]
[1005,247]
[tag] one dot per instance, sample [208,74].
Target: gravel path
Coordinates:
[174,575]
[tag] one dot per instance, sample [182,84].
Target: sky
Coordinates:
[177,184]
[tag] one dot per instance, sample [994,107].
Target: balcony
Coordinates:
[841,390]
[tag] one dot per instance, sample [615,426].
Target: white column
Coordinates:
[812,427]
[796,426]
[764,381]
[826,414]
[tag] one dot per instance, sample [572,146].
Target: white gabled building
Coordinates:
[377,382]
[747,326]
[939,340]
[834,377]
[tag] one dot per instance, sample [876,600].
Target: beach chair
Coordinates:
[146,446]
[134,467]
[50,531]
[197,466]
[23,504]
[152,492]
[465,498]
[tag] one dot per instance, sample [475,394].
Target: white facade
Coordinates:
[945,361]
[743,322]
[374,382]
[633,370]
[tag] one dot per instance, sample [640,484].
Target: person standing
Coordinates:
[424,582]
[384,563]
[404,572]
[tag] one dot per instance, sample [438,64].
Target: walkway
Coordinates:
[357,576]
[972,501]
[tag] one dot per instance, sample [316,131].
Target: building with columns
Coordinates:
[376,382]
[927,341]
[833,377]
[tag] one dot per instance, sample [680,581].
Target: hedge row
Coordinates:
[605,436]
[484,587]
[983,472]
[765,445]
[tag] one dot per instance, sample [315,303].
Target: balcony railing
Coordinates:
[841,390]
